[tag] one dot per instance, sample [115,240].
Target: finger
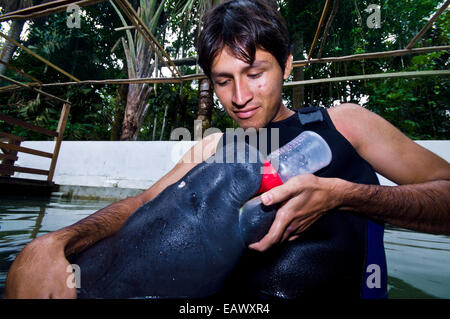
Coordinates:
[296,227]
[299,216]
[303,226]
[290,231]
[281,193]
[283,219]
[275,233]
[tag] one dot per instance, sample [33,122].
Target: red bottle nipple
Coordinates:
[270,178]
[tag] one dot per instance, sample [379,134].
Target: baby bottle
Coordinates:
[307,153]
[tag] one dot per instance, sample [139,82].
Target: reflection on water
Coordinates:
[21,220]
[418,263]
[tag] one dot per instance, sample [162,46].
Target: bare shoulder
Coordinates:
[354,121]
[386,148]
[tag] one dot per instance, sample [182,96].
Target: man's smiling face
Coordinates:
[251,94]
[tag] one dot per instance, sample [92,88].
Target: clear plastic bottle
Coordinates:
[307,153]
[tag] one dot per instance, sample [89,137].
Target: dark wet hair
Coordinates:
[243,26]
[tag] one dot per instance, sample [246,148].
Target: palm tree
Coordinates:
[138,54]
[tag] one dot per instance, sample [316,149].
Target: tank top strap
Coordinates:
[314,118]
[309,114]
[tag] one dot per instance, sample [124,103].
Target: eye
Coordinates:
[254,75]
[223,83]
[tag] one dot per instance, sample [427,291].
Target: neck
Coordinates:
[283,113]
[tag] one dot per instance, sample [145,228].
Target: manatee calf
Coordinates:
[183,243]
[191,242]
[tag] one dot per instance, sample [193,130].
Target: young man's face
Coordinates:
[251,94]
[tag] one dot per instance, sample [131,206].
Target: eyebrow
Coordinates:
[256,64]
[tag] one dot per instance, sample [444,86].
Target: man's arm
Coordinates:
[422,207]
[420,202]
[39,270]
[109,220]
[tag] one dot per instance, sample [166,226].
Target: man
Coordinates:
[244,50]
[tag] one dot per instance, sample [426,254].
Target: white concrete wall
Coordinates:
[128,164]
[106,164]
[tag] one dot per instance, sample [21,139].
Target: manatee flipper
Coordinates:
[183,243]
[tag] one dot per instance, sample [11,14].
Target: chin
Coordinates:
[250,123]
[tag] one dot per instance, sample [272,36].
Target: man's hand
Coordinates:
[305,198]
[40,271]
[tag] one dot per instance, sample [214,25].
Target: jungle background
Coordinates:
[96,50]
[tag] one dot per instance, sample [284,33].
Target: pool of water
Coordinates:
[418,263]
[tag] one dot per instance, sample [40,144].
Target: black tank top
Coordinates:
[341,254]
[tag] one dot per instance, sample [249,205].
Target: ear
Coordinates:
[288,67]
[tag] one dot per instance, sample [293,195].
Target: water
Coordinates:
[21,220]
[418,263]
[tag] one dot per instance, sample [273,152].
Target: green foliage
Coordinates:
[83,52]
[418,106]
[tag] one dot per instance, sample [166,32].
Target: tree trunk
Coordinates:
[205,92]
[8,47]
[135,110]
[205,103]
[138,94]
[121,101]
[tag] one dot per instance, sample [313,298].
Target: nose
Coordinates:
[242,93]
